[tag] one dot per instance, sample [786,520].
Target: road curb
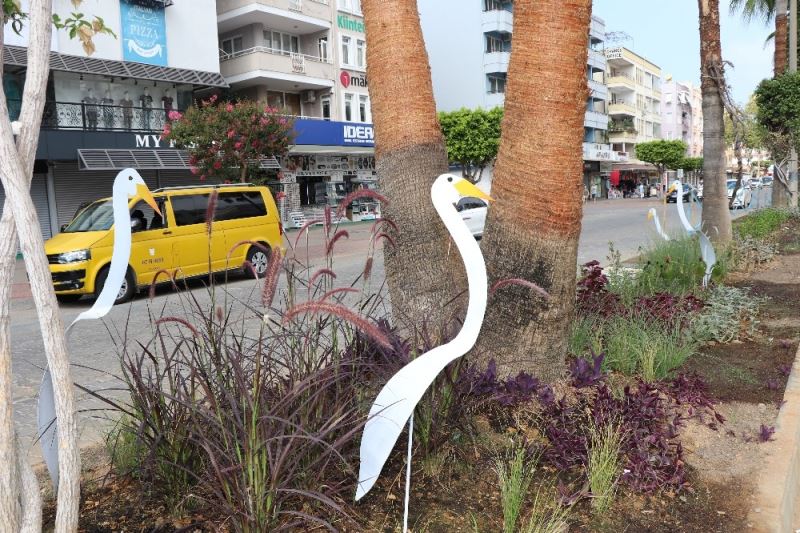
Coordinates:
[776,502]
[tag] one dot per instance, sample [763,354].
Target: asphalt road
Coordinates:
[95,348]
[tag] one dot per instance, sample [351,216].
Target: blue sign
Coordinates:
[144,34]
[328,133]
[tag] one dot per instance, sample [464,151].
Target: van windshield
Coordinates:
[99,216]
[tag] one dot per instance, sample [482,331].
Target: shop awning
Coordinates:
[143,159]
[336,150]
[18,56]
[635,166]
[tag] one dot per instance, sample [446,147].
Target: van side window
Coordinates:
[235,205]
[189,209]
[147,217]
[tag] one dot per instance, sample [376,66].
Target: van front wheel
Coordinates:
[259,260]
[126,292]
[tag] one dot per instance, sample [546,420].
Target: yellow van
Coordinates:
[177,242]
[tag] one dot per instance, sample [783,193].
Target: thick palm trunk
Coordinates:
[780,192]
[533,227]
[422,272]
[716,216]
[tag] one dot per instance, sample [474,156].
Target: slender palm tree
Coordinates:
[533,227]
[422,273]
[716,217]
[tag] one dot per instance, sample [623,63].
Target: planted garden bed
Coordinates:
[659,425]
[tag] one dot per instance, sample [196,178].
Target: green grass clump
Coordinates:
[582,335]
[762,223]
[675,266]
[515,474]
[639,345]
[604,465]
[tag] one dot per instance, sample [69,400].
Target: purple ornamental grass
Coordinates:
[178,320]
[521,282]
[306,227]
[343,313]
[355,195]
[341,234]
[211,209]
[271,277]
[319,273]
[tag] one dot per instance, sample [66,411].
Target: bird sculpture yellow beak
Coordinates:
[649,215]
[466,188]
[147,196]
[671,189]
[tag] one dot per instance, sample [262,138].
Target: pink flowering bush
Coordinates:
[228,140]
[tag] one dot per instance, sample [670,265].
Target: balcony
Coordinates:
[621,82]
[597,59]
[77,116]
[284,71]
[497,20]
[496,62]
[602,152]
[597,30]
[622,137]
[621,108]
[593,119]
[298,17]
[598,90]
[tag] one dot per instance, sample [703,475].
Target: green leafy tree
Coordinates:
[663,154]
[229,140]
[691,164]
[472,137]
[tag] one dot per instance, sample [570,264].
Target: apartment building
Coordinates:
[634,110]
[106,112]
[681,113]
[478,78]
[309,58]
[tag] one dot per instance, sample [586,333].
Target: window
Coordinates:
[498,5]
[189,209]
[497,84]
[147,217]
[232,45]
[348,107]
[282,43]
[346,42]
[322,44]
[363,108]
[236,205]
[497,43]
[360,55]
[326,108]
[354,6]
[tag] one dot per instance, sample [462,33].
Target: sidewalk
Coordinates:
[20,288]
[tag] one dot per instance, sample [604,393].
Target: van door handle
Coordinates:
[167,232]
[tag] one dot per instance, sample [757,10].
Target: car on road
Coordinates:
[176,240]
[687,190]
[767,181]
[743,196]
[473,213]
[755,183]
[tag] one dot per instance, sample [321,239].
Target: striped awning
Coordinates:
[18,56]
[144,159]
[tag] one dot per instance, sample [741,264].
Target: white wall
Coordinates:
[11,38]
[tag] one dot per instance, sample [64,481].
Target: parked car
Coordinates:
[755,183]
[767,181]
[743,195]
[80,256]
[687,190]
[473,213]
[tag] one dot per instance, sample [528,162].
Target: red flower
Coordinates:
[217,165]
[203,177]
[195,171]
[238,145]
[229,108]
[231,134]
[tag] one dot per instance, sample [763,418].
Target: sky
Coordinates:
[666,33]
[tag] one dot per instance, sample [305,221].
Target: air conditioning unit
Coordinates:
[309,97]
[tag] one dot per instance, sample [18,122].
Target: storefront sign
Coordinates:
[144,34]
[359,135]
[346,23]
[602,152]
[329,133]
[348,79]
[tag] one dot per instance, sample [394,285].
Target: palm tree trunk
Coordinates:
[716,216]
[422,273]
[780,193]
[533,227]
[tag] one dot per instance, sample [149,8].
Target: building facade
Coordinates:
[107,111]
[482,45]
[309,58]
[682,115]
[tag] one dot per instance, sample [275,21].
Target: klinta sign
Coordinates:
[346,23]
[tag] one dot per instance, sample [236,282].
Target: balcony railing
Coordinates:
[298,60]
[101,117]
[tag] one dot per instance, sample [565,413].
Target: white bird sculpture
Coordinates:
[127,184]
[395,403]
[653,215]
[706,248]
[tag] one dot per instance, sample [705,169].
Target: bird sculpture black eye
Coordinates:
[130,178]
[450,179]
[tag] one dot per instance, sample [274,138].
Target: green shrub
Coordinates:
[762,223]
[604,465]
[728,312]
[638,345]
[675,266]
[747,253]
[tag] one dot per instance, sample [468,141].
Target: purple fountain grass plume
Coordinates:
[258,245]
[181,321]
[271,277]
[385,236]
[151,293]
[359,322]
[305,228]
[361,193]
[328,221]
[211,209]
[249,266]
[518,281]
[338,235]
[380,221]
[337,291]
[319,273]
[368,267]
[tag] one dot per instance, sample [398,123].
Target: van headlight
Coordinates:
[74,256]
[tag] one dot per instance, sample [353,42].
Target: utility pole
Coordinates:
[793,68]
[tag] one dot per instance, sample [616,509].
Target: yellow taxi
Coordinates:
[177,240]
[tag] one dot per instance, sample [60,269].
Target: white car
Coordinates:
[743,195]
[473,213]
[756,183]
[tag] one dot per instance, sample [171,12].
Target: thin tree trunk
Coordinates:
[780,192]
[422,271]
[533,227]
[16,170]
[716,216]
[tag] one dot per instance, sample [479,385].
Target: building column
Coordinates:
[52,205]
